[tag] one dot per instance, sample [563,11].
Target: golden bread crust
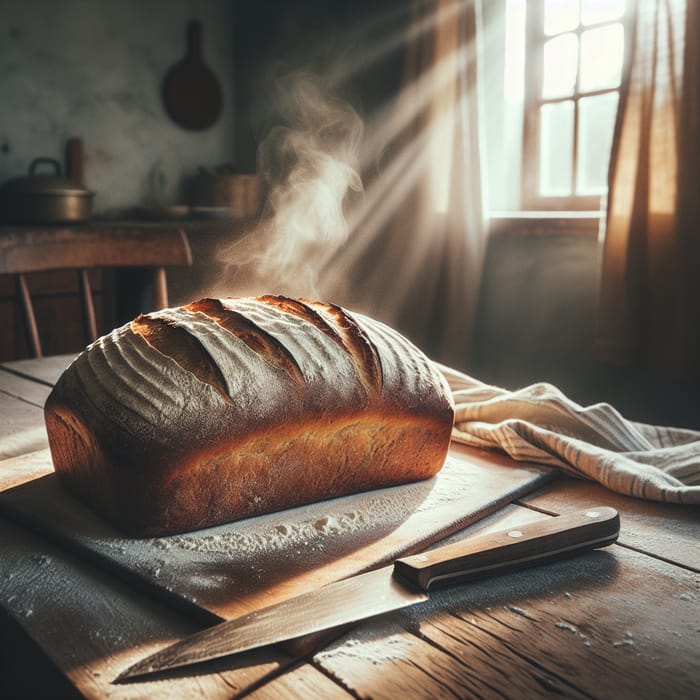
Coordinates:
[223,409]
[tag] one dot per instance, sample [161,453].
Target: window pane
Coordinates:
[594,11]
[601,58]
[595,132]
[560,16]
[556,148]
[514,74]
[560,66]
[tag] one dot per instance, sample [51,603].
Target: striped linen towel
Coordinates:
[540,424]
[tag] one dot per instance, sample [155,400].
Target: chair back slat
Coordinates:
[28,317]
[88,304]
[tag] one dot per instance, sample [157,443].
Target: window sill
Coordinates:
[544,223]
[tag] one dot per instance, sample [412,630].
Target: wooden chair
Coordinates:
[24,250]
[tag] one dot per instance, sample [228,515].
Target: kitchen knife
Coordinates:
[405,582]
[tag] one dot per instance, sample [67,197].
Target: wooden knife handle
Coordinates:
[528,545]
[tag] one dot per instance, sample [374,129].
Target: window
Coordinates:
[574,61]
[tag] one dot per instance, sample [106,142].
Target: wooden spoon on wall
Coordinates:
[191,91]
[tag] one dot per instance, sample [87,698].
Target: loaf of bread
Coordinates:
[227,408]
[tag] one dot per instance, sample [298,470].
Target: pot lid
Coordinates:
[44,183]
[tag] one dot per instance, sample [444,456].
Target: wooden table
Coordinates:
[620,623]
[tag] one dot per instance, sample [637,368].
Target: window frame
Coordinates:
[533,101]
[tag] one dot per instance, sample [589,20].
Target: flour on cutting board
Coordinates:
[249,537]
[279,537]
[225,569]
[348,516]
[294,539]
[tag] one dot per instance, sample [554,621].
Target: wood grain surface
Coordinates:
[619,623]
[567,629]
[665,531]
[21,415]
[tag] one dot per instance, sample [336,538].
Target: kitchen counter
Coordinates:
[623,622]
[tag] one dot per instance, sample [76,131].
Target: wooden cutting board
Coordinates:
[228,570]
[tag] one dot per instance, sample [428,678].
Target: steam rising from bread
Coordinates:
[310,164]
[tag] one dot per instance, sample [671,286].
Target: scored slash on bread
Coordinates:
[340,326]
[226,408]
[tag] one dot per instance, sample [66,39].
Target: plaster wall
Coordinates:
[93,69]
[537,323]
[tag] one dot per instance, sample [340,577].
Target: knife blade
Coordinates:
[401,584]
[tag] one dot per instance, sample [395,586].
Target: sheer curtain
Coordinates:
[650,280]
[417,236]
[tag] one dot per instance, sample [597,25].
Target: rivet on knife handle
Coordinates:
[527,545]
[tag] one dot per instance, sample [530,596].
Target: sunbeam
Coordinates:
[335,183]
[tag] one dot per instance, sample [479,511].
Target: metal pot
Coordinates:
[44,198]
